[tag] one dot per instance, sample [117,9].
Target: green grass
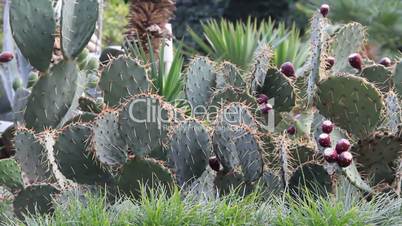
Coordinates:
[156,208]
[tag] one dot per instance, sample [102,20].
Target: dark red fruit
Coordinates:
[324,140]
[214,163]
[329,62]
[262,99]
[291,130]
[265,108]
[327,126]
[6,57]
[288,69]
[343,145]
[324,10]
[386,62]
[344,159]
[356,61]
[330,155]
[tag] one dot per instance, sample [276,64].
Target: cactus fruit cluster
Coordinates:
[226,139]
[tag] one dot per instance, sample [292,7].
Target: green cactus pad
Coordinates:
[393,113]
[227,95]
[20,103]
[122,78]
[302,152]
[78,23]
[201,81]
[277,85]
[107,143]
[85,117]
[89,105]
[310,176]
[10,174]
[378,156]
[54,96]
[33,27]
[354,177]
[144,123]
[351,103]
[261,63]
[146,172]
[74,160]
[190,149]
[229,75]
[397,78]
[349,39]
[32,155]
[232,181]
[34,199]
[236,113]
[379,75]
[238,146]
[271,184]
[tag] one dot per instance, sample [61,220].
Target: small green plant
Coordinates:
[237,42]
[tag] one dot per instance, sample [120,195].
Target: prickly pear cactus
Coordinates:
[10,174]
[229,75]
[122,78]
[54,97]
[33,26]
[190,148]
[350,102]
[201,81]
[379,76]
[144,123]
[236,113]
[78,22]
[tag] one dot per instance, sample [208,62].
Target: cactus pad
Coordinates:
[78,23]
[122,78]
[349,39]
[310,176]
[31,154]
[351,103]
[236,114]
[397,78]
[107,143]
[378,156]
[146,172]
[34,199]
[53,97]
[393,112]
[229,75]
[73,158]
[233,181]
[261,63]
[201,81]
[378,75]
[10,174]
[33,27]
[144,123]
[354,177]
[277,85]
[20,103]
[190,149]
[89,105]
[238,146]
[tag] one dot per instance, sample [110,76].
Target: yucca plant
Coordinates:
[167,83]
[237,41]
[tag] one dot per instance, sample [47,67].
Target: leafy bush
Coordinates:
[114,21]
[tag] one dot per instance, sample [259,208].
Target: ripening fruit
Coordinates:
[386,62]
[356,61]
[329,63]
[6,56]
[17,83]
[343,145]
[288,69]
[324,10]
[32,79]
[327,126]
[324,140]
[262,99]
[330,155]
[214,163]
[265,108]
[291,130]
[344,159]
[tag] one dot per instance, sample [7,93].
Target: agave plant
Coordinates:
[236,42]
